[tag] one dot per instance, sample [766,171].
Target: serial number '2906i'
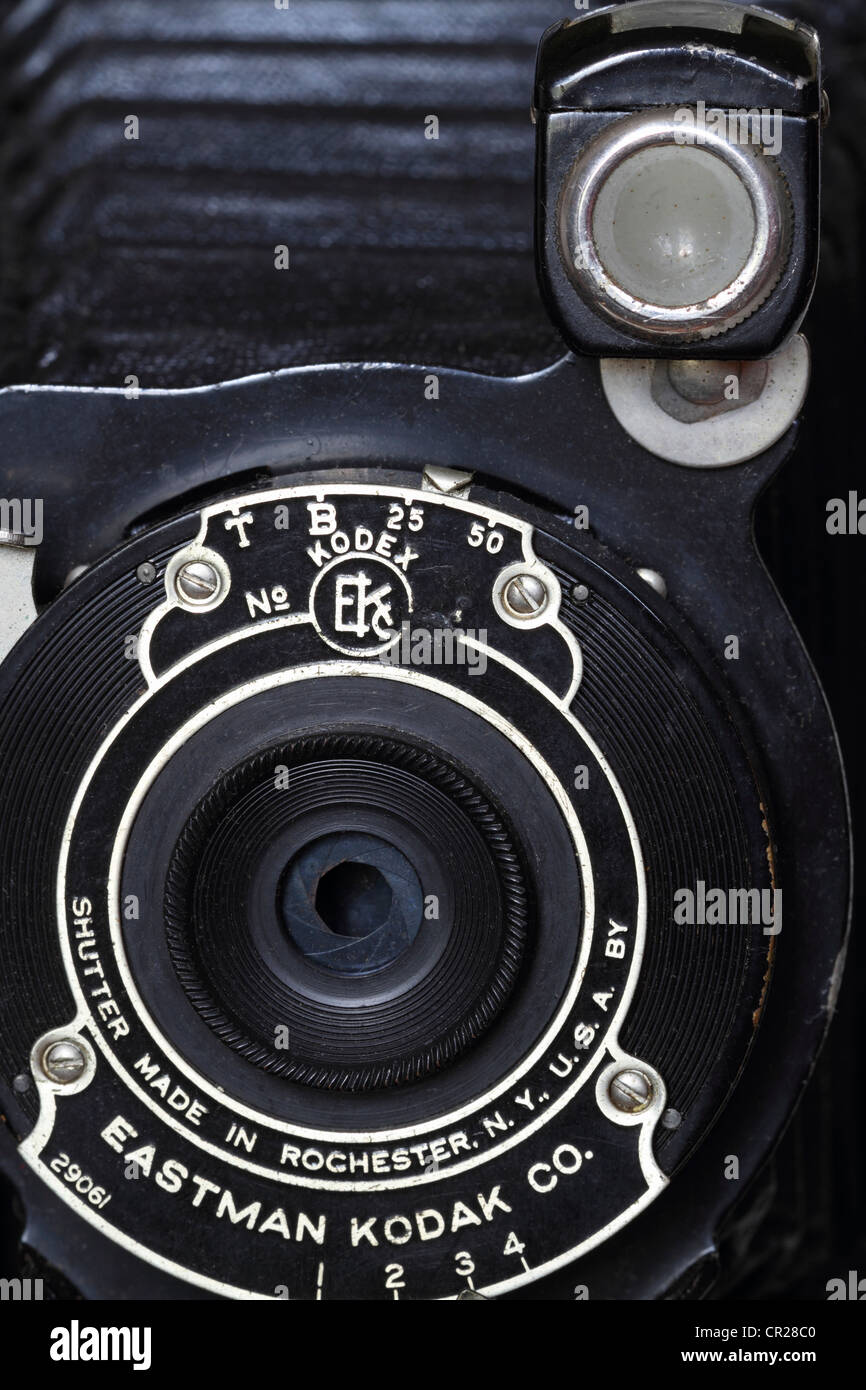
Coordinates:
[79,1181]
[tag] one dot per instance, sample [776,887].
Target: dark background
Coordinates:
[821,577]
[304,127]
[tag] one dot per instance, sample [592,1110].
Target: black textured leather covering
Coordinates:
[261,127]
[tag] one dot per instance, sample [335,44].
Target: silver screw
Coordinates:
[631,1091]
[197,581]
[146,572]
[525,596]
[702,383]
[63,1061]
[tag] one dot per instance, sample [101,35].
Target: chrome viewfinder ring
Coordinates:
[622,144]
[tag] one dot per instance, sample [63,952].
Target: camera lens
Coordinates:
[273,925]
[383,950]
[352,903]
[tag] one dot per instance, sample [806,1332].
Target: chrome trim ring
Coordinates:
[769,197]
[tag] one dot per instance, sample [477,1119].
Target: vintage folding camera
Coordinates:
[423,836]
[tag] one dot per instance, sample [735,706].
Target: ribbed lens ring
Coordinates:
[239,968]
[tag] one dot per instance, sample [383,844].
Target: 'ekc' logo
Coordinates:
[359,603]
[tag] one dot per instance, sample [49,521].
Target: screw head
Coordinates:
[146,572]
[63,1061]
[631,1091]
[197,581]
[525,596]
[702,383]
